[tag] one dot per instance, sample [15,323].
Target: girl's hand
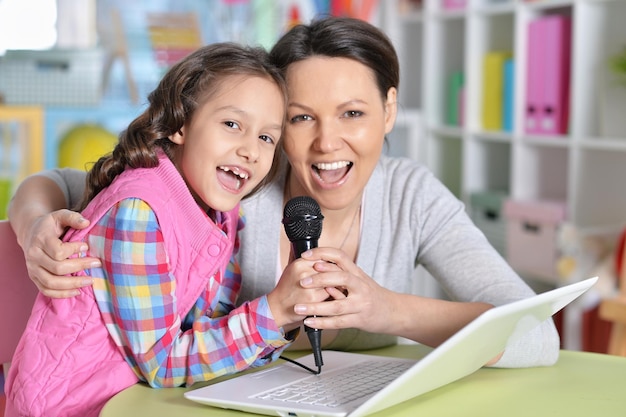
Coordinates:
[47,256]
[288,292]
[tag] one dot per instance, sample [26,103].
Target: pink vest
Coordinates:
[66,364]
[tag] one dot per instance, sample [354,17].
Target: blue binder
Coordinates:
[508,92]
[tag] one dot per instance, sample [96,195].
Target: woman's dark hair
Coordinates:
[341,37]
[185,86]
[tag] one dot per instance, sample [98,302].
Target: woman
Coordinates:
[382,216]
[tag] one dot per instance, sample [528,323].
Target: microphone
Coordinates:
[302,218]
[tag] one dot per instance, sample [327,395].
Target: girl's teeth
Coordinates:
[239,174]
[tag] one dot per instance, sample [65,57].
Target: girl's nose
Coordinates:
[249,149]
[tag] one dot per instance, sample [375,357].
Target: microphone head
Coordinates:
[302,218]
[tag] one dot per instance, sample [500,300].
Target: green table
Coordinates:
[580,384]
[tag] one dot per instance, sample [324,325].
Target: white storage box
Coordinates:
[532,228]
[486,210]
[52,77]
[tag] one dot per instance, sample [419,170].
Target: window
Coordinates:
[27,24]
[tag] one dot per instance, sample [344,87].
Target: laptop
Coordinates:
[289,390]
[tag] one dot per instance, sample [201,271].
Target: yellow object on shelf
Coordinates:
[21,148]
[493,90]
[173,36]
[83,145]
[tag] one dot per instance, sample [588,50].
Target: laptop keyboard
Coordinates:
[333,390]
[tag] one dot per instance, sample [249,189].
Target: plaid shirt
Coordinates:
[136,293]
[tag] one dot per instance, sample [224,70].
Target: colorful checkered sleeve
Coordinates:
[136,293]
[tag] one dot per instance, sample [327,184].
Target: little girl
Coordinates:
[164,217]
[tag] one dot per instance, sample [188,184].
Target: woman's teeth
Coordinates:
[329,166]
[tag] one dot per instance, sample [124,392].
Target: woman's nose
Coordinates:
[328,138]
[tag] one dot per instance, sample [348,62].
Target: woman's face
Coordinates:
[336,125]
[228,146]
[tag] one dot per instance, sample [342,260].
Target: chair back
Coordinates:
[17,292]
[613,309]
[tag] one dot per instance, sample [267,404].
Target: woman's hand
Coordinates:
[47,256]
[360,302]
[357,301]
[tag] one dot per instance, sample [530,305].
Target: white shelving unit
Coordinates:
[585,168]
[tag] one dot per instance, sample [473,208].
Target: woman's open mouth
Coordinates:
[332,172]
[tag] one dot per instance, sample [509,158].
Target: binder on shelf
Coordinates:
[455,95]
[555,110]
[454,4]
[461,106]
[534,76]
[508,95]
[493,83]
[548,75]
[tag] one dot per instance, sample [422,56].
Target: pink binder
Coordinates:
[534,79]
[548,75]
[555,109]
[454,4]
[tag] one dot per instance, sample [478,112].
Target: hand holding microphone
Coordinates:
[302,219]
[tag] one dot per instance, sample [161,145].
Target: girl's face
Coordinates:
[336,125]
[229,144]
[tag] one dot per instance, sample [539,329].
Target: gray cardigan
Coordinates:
[410,219]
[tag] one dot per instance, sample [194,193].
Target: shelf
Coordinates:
[449,131]
[496,8]
[493,136]
[548,4]
[548,141]
[614,144]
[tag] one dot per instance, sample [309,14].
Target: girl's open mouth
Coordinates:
[232,178]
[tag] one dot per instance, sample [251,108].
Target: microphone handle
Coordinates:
[301,246]
[315,335]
